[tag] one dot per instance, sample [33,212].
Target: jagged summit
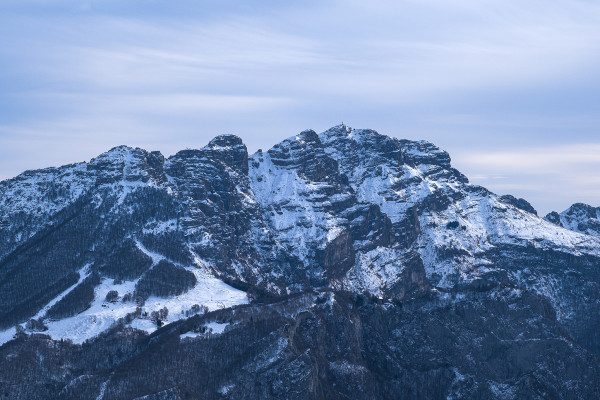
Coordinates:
[230,150]
[308,134]
[375,149]
[118,151]
[519,203]
[579,217]
[226,141]
[339,130]
[124,163]
[306,154]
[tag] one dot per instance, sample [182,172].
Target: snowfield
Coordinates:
[102,315]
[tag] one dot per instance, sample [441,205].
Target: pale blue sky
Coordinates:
[510,88]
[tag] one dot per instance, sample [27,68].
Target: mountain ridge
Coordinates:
[132,240]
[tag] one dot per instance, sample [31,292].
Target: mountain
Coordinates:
[579,217]
[345,264]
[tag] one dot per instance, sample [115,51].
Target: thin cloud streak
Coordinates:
[537,160]
[566,171]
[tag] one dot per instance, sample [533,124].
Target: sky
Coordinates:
[509,88]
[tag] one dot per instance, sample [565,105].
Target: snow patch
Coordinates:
[7,335]
[212,328]
[209,291]
[102,315]
[156,257]
[226,389]
[99,317]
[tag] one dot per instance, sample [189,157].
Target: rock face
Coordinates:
[345,264]
[579,217]
[519,203]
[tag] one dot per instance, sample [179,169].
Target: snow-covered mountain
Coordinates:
[579,217]
[113,249]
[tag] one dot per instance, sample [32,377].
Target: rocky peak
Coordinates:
[519,203]
[201,171]
[308,135]
[352,147]
[423,152]
[124,163]
[580,217]
[230,150]
[226,141]
[114,156]
[553,217]
[226,150]
[367,147]
[339,131]
[583,210]
[307,155]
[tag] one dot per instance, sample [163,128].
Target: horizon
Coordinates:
[508,89]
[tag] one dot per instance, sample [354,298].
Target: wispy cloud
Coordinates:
[538,160]
[551,177]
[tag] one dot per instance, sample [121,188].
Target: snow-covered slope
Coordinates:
[406,178]
[118,215]
[314,212]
